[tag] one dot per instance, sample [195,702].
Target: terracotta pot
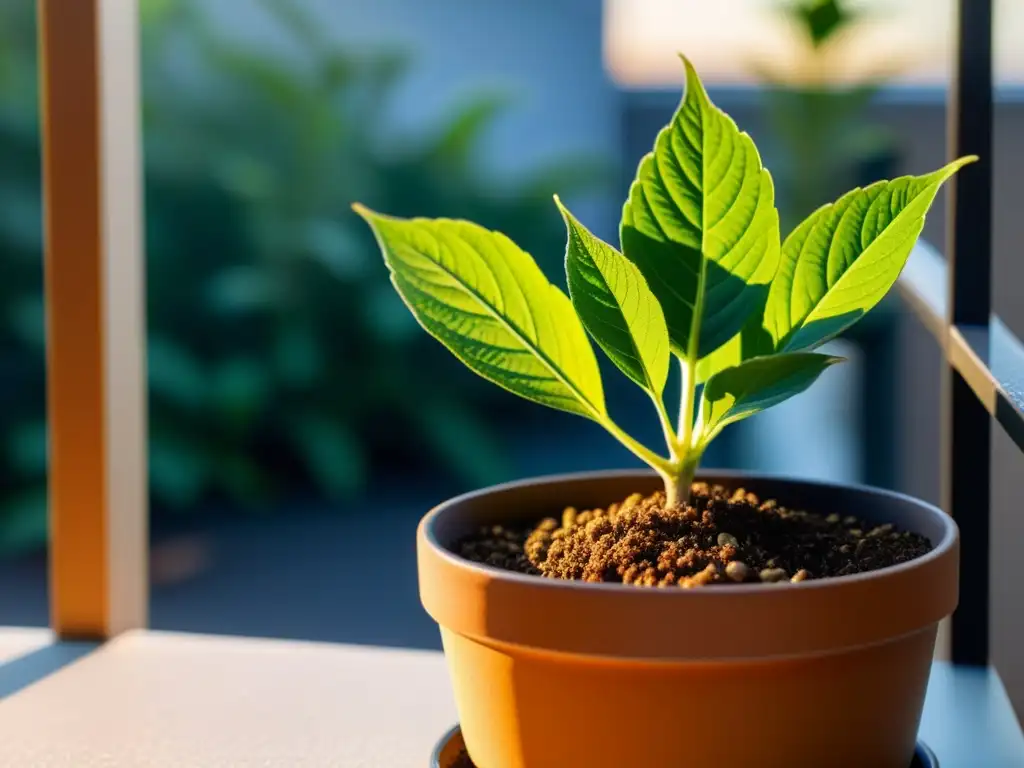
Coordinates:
[559,674]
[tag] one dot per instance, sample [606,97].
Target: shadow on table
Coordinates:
[22,671]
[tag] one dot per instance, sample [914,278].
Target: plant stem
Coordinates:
[659,463]
[666,427]
[679,480]
[688,368]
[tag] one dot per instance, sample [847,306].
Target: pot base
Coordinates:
[450,749]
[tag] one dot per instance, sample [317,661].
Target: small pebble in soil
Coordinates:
[738,571]
[727,540]
[641,542]
[771,575]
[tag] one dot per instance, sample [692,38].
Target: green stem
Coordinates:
[688,369]
[666,427]
[679,480]
[659,463]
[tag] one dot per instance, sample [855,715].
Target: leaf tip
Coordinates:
[363,211]
[956,165]
[694,86]
[568,218]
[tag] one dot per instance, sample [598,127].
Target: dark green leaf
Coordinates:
[174,373]
[178,470]
[332,453]
[27,449]
[755,385]
[701,225]
[23,522]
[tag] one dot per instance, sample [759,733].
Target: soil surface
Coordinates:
[719,537]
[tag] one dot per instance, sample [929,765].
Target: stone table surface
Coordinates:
[159,699]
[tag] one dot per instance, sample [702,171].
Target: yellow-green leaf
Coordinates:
[616,306]
[486,300]
[845,257]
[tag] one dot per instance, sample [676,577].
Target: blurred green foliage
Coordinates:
[822,140]
[280,361]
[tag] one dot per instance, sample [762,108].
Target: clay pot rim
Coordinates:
[427,533]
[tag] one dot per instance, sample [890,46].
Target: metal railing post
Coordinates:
[966,471]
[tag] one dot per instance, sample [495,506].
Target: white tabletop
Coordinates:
[167,700]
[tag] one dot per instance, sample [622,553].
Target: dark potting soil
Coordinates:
[719,537]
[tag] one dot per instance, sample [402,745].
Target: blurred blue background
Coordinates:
[300,422]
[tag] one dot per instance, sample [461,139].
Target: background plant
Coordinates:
[820,137]
[702,277]
[278,357]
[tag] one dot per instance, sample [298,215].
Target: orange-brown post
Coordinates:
[95,319]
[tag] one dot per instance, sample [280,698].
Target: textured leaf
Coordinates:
[752,341]
[700,223]
[755,385]
[846,256]
[486,300]
[616,306]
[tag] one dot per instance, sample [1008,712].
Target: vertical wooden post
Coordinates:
[95,319]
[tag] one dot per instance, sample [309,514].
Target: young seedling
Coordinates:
[701,276]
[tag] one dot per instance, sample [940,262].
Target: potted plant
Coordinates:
[636,619]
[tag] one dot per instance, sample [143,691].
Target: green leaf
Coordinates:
[27,448]
[23,522]
[752,341]
[178,469]
[461,136]
[755,385]
[486,300]
[458,435]
[240,388]
[700,223]
[333,454]
[726,356]
[176,376]
[616,306]
[846,256]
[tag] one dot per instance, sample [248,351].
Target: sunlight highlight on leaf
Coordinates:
[486,300]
